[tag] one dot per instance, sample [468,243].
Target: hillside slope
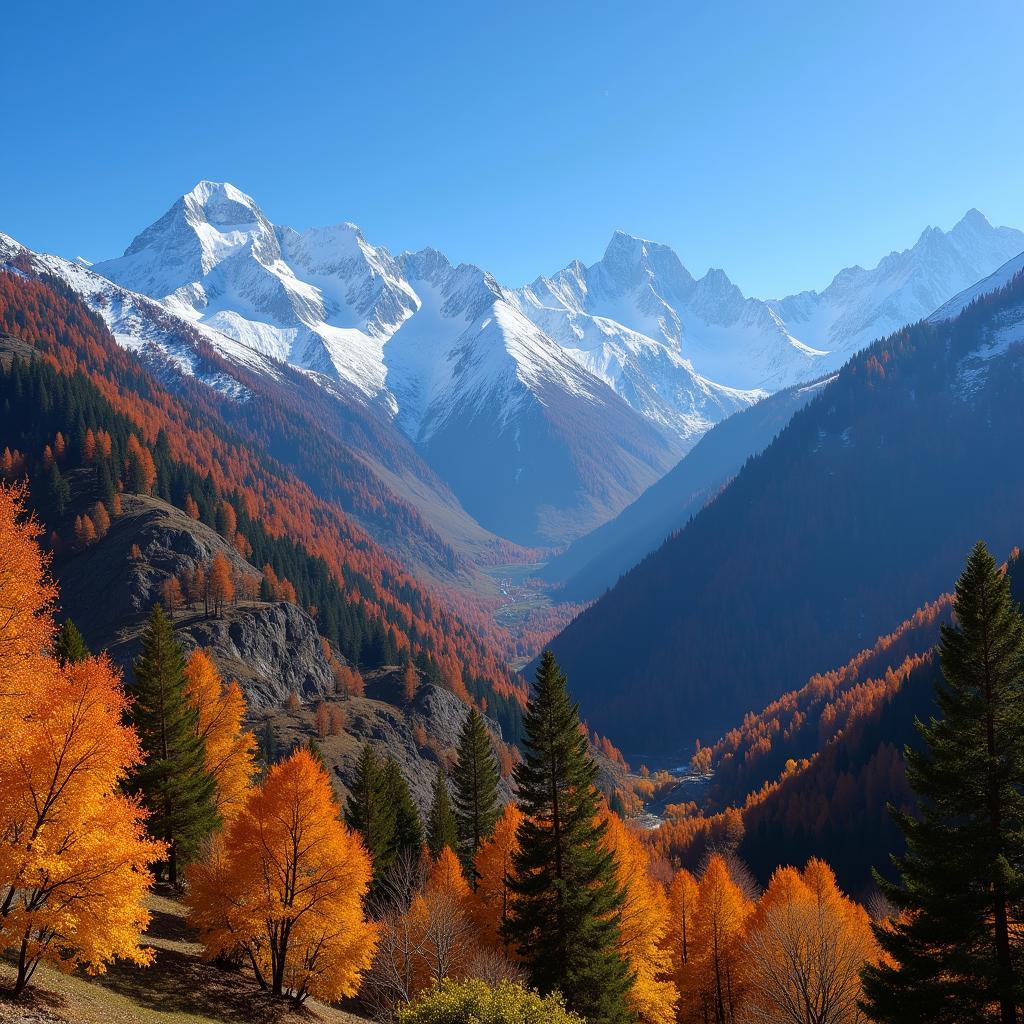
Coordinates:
[862,509]
[595,561]
[180,448]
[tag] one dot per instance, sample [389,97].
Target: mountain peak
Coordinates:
[221,204]
[975,216]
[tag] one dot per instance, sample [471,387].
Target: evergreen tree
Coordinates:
[59,490]
[566,910]
[267,745]
[70,645]
[317,754]
[369,811]
[956,954]
[476,778]
[441,830]
[408,837]
[175,786]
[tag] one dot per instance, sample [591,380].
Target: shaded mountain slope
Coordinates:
[594,562]
[860,510]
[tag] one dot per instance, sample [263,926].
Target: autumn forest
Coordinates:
[276,744]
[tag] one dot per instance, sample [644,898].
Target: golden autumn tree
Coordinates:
[492,897]
[718,955]
[410,681]
[643,926]
[26,600]
[230,747]
[805,948]
[440,915]
[682,901]
[222,588]
[286,888]
[73,853]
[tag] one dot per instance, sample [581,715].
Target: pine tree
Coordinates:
[955,952]
[565,916]
[175,786]
[70,646]
[408,835]
[314,751]
[267,746]
[476,778]
[370,813]
[441,830]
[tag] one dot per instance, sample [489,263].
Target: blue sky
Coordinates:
[779,141]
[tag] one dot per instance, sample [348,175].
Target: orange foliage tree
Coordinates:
[230,747]
[805,948]
[286,886]
[493,897]
[678,940]
[27,596]
[222,589]
[643,927]
[717,978]
[73,851]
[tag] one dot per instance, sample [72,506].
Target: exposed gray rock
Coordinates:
[272,650]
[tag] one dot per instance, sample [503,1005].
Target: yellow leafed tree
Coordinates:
[492,898]
[678,940]
[805,948]
[643,926]
[26,598]
[285,885]
[718,974]
[73,852]
[230,747]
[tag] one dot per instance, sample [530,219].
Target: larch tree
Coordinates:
[719,923]
[682,899]
[643,926]
[173,780]
[222,588]
[492,903]
[410,681]
[475,777]
[955,950]
[566,906]
[441,828]
[73,852]
[805,947]
[287,888]
[442,922]
[230,748]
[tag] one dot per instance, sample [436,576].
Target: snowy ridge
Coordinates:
[146,327]
[999,279]
[640,288]
[413,334]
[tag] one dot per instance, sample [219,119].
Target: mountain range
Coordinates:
[545,409]
[859,511]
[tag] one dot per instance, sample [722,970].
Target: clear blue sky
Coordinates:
[779,141]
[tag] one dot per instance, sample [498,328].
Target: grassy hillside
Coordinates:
[177,989]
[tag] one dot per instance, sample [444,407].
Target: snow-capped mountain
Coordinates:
[324,300]
[640,290]
[546,409]
[437,347]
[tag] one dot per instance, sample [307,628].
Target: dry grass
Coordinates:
[177,989]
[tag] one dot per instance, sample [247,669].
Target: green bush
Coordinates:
[475,1002]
